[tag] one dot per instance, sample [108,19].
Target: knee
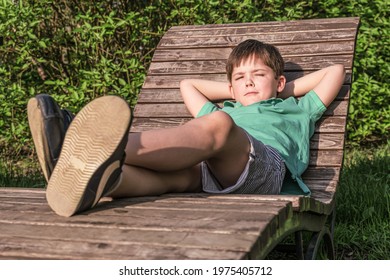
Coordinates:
[219,127]
[187,180]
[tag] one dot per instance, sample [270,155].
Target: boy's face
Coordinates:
[253,81]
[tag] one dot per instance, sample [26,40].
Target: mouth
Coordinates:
[251,93]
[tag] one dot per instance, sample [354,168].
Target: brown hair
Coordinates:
[269,54]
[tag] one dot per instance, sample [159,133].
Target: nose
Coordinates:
[249,82]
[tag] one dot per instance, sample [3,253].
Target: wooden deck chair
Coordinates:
[202,226]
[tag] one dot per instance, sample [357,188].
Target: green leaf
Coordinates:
[31,35]
[122,82]
[42,44]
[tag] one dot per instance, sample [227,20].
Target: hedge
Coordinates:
[78,50]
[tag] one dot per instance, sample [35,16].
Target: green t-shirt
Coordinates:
[284,124]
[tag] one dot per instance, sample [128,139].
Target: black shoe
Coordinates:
[90,164]
[48,125]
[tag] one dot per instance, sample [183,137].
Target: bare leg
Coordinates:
[138,181]
[214,138]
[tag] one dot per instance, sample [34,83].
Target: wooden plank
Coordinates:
[147,218]
[178,110]
[323,196]
[330,124]
[153,214]
[144,124]
[297,25]
[276,39]
[256,27]
[323,186]
[167,110]
[32,247]
[321,141]
[337,108]
[28,191]
[173,81]
[126,235]
[181,207]
[328,173]
[294,200]
[299,203]
[202,205]
[24,200]
[322,158]
[318,141]
[179,210]
[287,51]
[312,63]
[163,95]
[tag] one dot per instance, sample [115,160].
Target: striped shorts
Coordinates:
[263,174]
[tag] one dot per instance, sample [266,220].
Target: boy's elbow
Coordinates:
[336,73]
[340,73]
[184,84]
[340,68]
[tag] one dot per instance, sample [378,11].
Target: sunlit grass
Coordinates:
[363,205]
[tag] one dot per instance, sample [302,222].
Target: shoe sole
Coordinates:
[94,135]
[35,121]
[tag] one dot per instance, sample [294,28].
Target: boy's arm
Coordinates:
[325,82]
[196,93]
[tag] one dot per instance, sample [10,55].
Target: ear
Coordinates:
[281,84]
[231,91]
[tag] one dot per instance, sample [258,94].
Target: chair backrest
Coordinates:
[201,52]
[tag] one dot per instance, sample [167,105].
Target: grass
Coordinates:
[363,205]
[25,173]
[362,230]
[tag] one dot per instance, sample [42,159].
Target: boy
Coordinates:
[246,147]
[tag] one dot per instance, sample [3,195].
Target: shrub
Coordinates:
[78,50]
[74,51]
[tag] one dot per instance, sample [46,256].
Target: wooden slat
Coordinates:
[322,173]
[219,66]
[27,247]
[163,95]
[275,26]
[39,206]
[322,186]
[272,38]
[300,203]
[25,201]
[326,158]
[178,110]
[173,81]
[323,141]
[288,52]
[145,124]
[331,124]
[22,192]
[160,218]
